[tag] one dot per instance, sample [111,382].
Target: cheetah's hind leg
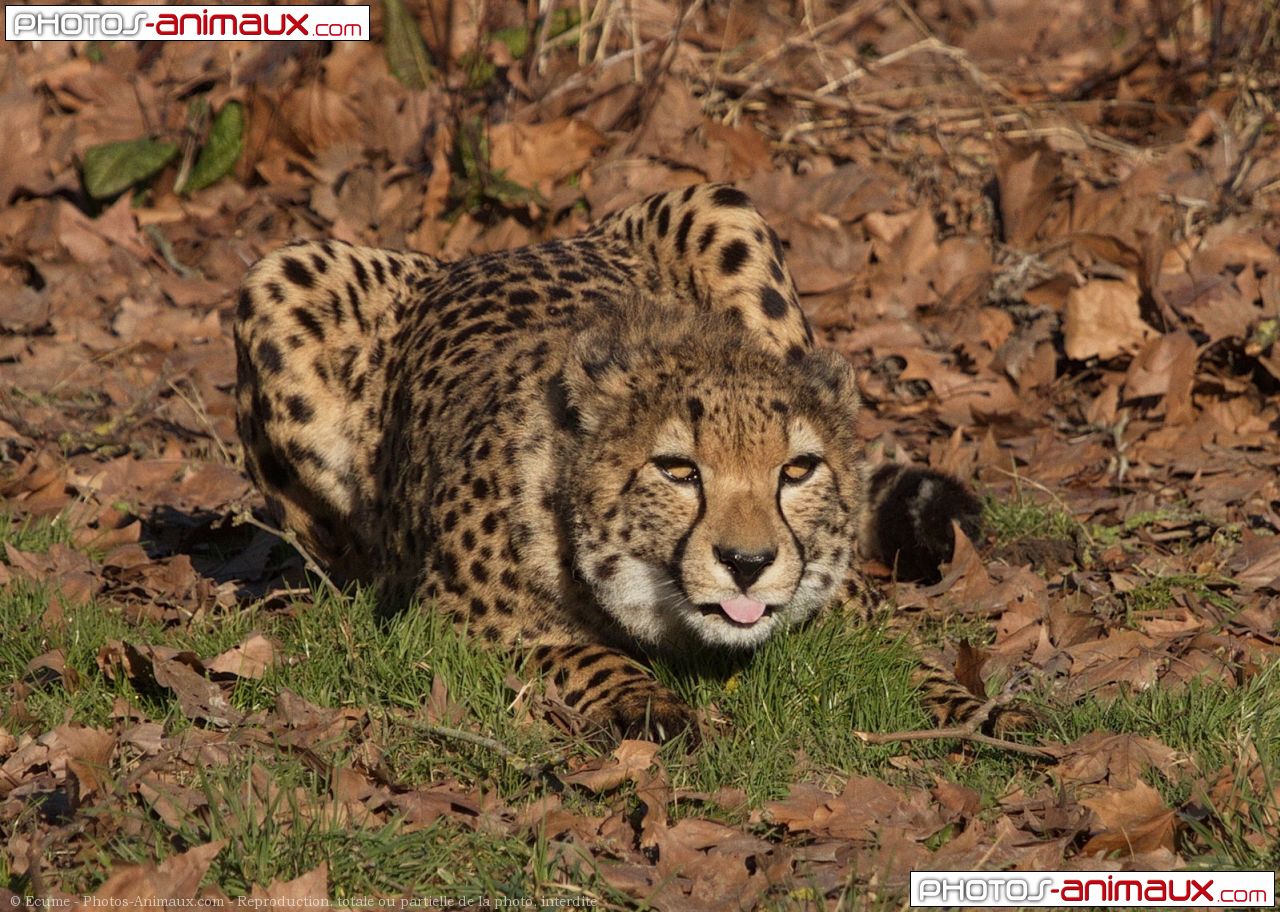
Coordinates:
[313,328]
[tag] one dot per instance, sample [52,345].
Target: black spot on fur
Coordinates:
[734,254]
[299,409]
[707,238]
[269,357]
[308,321]
[730,197]
[664,221]
[362,274]
[275,473]
[772,303]
[682,233]
[297,273]
[696,409]
[320,263]
[795,353]
[354,300]
[776,243]
[244,306]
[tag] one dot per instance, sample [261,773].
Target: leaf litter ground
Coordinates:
[1047,238]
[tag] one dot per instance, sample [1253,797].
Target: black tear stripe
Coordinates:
[677,553]
[782,514]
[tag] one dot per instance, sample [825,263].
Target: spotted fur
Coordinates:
[580,450]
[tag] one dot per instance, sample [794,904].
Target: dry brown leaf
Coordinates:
[177,877]
[1026,177]
[1118,759]
[180,672]
[1131,821]
[1103,320]
[539,155]
[251,659]
[310,889]
[1256,564]
[629,761]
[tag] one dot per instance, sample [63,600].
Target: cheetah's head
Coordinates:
[713,484]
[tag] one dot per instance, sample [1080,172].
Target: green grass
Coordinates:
[791,714]
[1017,518]
[32,535]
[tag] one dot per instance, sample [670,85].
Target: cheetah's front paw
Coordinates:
[654,713]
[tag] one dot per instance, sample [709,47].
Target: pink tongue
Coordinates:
[742,609]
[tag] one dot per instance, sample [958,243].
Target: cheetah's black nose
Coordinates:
[744,566]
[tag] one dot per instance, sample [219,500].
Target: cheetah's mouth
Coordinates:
[740,611]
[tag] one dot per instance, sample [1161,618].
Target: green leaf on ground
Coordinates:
[220,153]
[112,168]
[406,52]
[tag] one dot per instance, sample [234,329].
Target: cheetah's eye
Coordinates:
[677,469]
[799,469]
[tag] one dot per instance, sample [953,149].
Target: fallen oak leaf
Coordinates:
[88,755]
[309,889]
[177,877]
[629,761]
[180,672]
[858,812]
[250,659]
[1133,820]
[1117,759]
[1103,319]
[1256,563]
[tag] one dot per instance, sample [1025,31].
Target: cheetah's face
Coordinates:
[717,504]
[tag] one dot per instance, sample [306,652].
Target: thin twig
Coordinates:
[957,733]
[654,82]
[851,17]
[202,413]
[165,249]
[244,517]
[969,730]
[532,769]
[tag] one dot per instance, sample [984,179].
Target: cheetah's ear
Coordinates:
[598,375]
[832,378]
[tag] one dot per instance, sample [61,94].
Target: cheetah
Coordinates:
[586,451]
